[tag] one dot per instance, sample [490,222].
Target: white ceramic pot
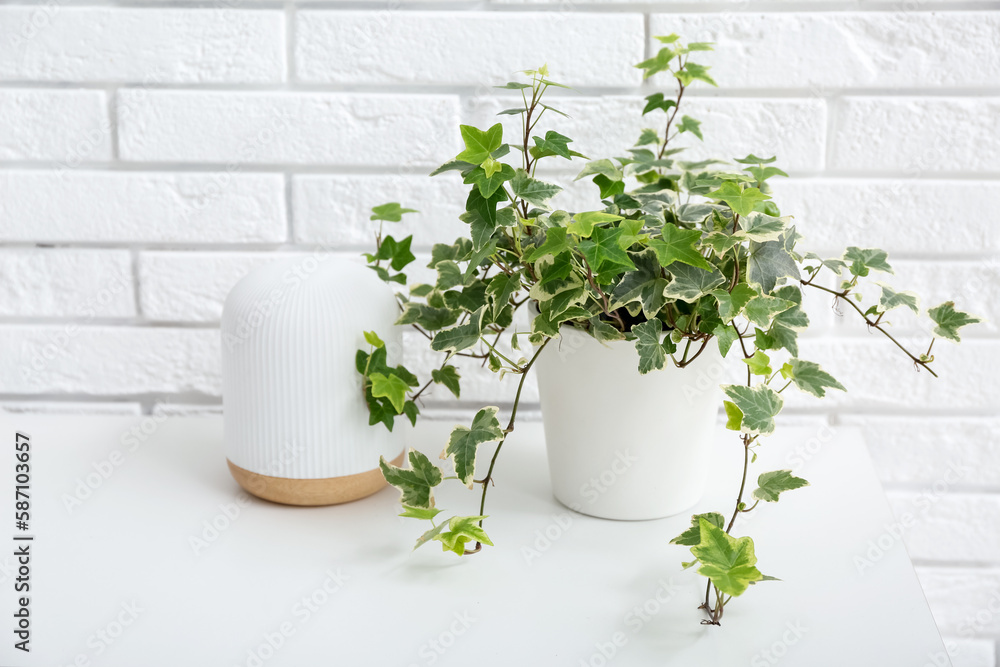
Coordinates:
[296,422]
[623,445]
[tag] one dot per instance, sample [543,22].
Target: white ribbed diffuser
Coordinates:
[296,423]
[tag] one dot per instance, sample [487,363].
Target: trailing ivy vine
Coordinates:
[677,256]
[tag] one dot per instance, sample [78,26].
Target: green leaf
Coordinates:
[429,535]
[949,320]
[734,416]
[373,339]
[391,212]
[892,299]
[692,536]
[732,303]
[479,144]
[449,377]
[693,72]
[462,530]
[689,124]
[533,191]
[762,308]
[727,561]
[725,336]
[658,63]
[771,484]
[741,200]
[647,137]
[759,363]
[603,249]
[419,512]
[690,283]
[753,159]
[489,180]
[391,387]
[809,377]
[396,252]
[679,245]
[767,263]
[760,405]
[415,484]
[657,101]
[861,261]
[464,442]
[764,173]
[552,144]
[583,223]
[652,353]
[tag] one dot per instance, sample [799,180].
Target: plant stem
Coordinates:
[510,427]
[842,295]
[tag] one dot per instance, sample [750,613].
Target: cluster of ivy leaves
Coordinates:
[678,254]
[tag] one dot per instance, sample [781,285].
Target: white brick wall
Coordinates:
[151,155]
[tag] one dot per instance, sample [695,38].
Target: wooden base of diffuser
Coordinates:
[311,492]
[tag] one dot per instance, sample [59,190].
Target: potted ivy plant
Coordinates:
[679,263]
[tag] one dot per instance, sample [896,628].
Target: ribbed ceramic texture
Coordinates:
[292,396]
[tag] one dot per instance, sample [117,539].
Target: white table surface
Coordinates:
[124,556]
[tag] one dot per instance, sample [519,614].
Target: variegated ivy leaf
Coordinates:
[501,287]
[461,337]
[785,327]
[603,331]
[760,405]
[892,299]
[721,242]
[644,285]
[462,530]
[464,442]
[809,377]
[729,562]
[555,244]
[692,536]
[732,303]
[647,137]
[835,265]
[679,245]
[769,262]
[761,227]
[690,283]
[652,353]
[861,261]
[762,308]
[759,364]
[605,168]
[428,317]
[772,484]
[533,191]
[416,483]
[689,124]
[948,320]
[429,535]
